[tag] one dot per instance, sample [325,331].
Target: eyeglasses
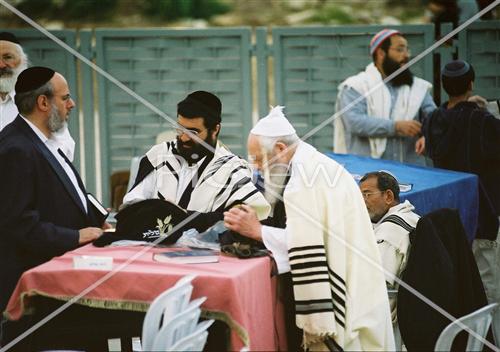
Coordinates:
[367,195]
[181,131]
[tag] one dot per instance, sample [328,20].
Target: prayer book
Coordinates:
[192,256]
[102,212]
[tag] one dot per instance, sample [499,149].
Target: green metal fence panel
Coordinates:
[310,63]
[42,51]
[480,45]
[163,66]
[88,110]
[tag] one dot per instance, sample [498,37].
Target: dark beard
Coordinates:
[196,151]
[404,78]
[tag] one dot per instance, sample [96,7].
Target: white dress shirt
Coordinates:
[8,110]
[53,145]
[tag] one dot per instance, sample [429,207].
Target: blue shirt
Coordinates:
[360,126]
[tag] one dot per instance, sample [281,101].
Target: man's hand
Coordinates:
[243,220]
[89,234]
[408,128]
[106,226]
[420,146]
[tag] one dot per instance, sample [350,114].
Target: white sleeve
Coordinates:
[275,239]
[144,190]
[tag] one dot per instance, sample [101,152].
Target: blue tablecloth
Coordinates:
[432,188]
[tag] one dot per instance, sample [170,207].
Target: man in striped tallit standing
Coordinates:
[340,300]
[392,222]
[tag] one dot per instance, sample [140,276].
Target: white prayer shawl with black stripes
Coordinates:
[339,286]
[225,180]
[393,240]
[392,231]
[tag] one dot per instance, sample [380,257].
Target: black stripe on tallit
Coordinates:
[145,168]
[312,281]
[222,160]
[338,299]
[399,221]
[170,167]
[309,273]
[336,276]
[305,248]
[308,265]
[186,195]
[228,181]
[304,256]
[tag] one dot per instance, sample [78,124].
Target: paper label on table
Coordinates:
[92,262]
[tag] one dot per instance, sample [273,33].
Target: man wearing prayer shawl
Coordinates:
[196,171]
[386,120]
[327,242]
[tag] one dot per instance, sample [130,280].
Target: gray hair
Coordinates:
[26,101]
[268,143]
[22,54]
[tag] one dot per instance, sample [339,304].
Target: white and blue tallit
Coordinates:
[338,281]
[224,181]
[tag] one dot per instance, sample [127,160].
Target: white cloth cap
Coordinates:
[275,124]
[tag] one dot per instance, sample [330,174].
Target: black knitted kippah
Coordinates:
[455,68]
[33,78]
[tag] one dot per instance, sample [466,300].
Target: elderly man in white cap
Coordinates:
[386,122]
[327,243]
[13,61]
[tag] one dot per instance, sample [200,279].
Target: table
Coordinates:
[239,292]
[432,188]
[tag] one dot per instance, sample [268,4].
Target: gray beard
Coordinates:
[8,83]
[56,122]
[274,184]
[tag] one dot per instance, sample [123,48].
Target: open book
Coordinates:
[191,256]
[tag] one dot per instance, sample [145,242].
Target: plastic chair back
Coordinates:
[167,305]
[181,325]
[478,321]
[196,340]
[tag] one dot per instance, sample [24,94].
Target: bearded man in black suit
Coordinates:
[45,210]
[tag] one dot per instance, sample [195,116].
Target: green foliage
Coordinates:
[176,9]
[333,14]
[67,9]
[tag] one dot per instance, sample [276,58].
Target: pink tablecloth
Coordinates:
[240,292]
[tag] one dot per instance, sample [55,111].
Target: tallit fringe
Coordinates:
[309,339]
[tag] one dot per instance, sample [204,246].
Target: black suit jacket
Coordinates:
[40,211]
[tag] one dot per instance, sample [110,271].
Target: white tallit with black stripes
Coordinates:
[225,180]
[339,286]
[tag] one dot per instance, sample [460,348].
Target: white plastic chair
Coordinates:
[167,305]
[196,340]
[478,321]
[183,324]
